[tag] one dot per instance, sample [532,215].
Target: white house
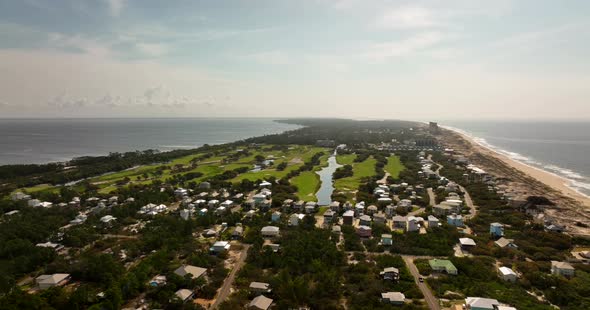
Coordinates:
[220,246]
[270,231]
[107,219]
[562,269]
[295,218]
[184,294]
[507,274]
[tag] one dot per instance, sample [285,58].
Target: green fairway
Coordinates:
[307,183]
[346,159]
[394,166]
[360,171]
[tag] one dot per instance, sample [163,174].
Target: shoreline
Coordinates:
[556,182]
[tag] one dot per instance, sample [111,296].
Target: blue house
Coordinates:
[276,216]
[386,239]
[496,230]
[455,220]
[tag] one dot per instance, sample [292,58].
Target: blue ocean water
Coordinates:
[25,141]
[561,148]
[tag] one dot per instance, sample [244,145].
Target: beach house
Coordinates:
[364,231]
[390,273]
[455,220]
[442,265]
[507,274]
[394,298]
[260,302]
[386,239]
[192,271]
[348,217]
[562,269]
[496,230]
[50,280]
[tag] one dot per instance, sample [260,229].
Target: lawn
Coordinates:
[345,159]
[308,183]
[360,171]
[394,166]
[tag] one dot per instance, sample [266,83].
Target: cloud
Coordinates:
[382,51]
[78,43]
[66,101]
[152,49]
[270,58]
[115,7]
[407,18]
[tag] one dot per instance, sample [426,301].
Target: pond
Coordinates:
[324,194]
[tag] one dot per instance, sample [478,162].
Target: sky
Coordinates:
[415,60]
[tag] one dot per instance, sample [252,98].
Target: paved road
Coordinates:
[227,284]
[431,301]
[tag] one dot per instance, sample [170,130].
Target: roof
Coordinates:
[394,296]
[260,302]
[365,218]
[442,263]
[466,241]
[386,236]
[196,272]
[184,294]
[432,218]
[269,229]
[505,271]
[561,265]
[52,279]
[259,285]
[391,269]
[479,302]
[503,242]
[348,213]
[398,218]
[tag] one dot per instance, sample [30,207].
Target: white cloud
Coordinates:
[408,17]
[115,7]
[270,58]
[152,49]
[382,51]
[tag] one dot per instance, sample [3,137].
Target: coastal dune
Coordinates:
[572,209]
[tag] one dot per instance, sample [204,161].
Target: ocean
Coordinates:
[561,148]
[27,141]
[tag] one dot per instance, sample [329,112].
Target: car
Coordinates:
[421,279]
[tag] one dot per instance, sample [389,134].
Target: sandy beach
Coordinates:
[554,181]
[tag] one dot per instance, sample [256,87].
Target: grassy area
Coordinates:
[308,183]
[394,166]
[360,170]
[345,159]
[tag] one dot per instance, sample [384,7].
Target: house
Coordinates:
[107,219]
[158,280]
[13,212]
[390,210]
[192,271]
[390,273]
[260,303]
[80,218]
[260,287]
[496,230]
[185,214]
[265,184]
[348,217]
[399,222]
[507,274]
[19,196]
[386,239]
[50,245]
[335,206]
[394,298]
[405,204]
[298,206]
[383,201]
[364,231]
[503,243]
[479,303]
[270,231]
[455,220]
[466,243]
[219,247]
[372,209]
[365,220]
[336,230]
[329,216]
[50,280]
[259,198]
[347,206]
[203,212]
[562,269]
[276,216]
[379,218]
[433,221]
[227,204]
[34,202]
[359,208]
[237,233]
[295,218]
[209,233]
[443,209]
[310,207]
[443,265]
[180,192]
[204,185]
[413,223]
[184,294]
